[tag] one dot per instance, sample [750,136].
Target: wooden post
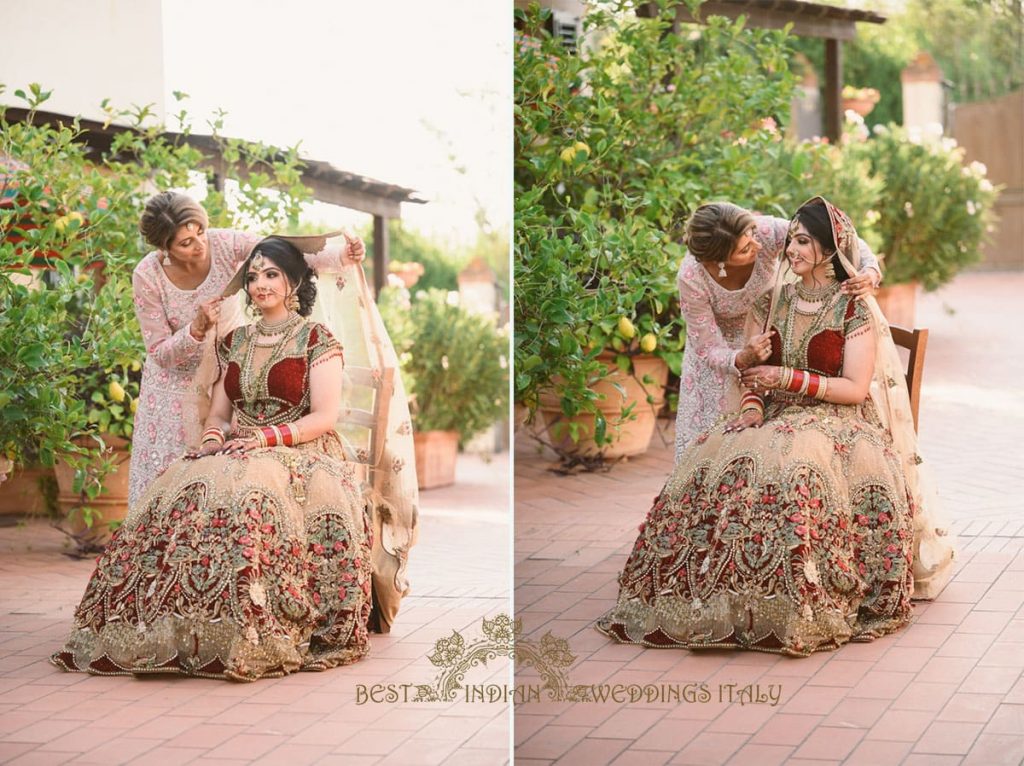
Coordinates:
[380,254]
[833,89]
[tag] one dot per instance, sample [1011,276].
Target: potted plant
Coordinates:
[614,149]
[859,100]
[932,213]
[92,494]
[455,369]
[70,346]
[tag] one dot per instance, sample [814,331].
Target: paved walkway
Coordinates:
[946,690]
[460,575]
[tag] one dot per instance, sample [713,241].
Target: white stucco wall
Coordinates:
[922,104]
[84,51]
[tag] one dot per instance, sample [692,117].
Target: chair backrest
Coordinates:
[915,341]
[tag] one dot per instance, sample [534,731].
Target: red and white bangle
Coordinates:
[273,436]
[751,402]
[212,435]
[805,383]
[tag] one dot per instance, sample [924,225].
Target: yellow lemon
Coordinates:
[62,223]
[568,154]
[579,146]
[649,342]
[134,405]
[76,216]
[136,366]
[115,391]
[626,328]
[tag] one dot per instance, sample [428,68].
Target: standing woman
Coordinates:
[732,258]
[177,292]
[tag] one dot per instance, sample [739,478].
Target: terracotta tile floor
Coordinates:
[946,690]
[460,574]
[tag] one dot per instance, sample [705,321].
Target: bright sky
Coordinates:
[404,91]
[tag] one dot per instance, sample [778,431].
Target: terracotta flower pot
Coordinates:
[632,437]
[111,505]
[898,303]
[21,493]
[436,453]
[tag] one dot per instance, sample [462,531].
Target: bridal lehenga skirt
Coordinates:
[243,567]
[793,537]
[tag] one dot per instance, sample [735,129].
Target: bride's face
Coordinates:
[266,284]
[804,252]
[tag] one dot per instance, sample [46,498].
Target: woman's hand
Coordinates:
[758,349]
[863,283]
[356,249]
[762,378]
[238,446]
[207,315]
[746,419]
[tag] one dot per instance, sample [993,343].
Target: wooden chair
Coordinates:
[915,341]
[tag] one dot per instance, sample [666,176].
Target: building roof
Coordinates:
[329,184]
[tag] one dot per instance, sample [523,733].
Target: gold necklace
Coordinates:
[815,294]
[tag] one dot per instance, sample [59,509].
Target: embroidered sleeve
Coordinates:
[857,319]
[703,335]
[868,259]
[167,347]
[224,349]
[331,258]
[322,346]
[771,234]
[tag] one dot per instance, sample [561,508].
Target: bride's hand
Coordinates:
[748,419]
[238,446]
[210,448]
[762,378]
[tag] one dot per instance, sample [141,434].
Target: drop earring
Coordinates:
[722,273]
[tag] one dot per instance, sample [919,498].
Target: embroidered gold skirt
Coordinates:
[242,566]
[794,537]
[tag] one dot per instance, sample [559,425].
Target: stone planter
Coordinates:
[631,437]
[898,303]
[111,505]
[436,453]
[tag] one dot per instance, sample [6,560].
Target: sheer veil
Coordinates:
[933,537]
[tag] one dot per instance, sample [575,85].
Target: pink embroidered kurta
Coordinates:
[170,400]
[715,319]
[175,391]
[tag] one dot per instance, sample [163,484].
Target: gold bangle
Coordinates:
[822,387]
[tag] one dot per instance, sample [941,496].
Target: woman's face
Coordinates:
[804,251]
[189,243]
[266,284]
[746,249]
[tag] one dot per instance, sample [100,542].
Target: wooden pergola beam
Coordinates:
[829,23]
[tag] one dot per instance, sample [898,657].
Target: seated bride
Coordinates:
[251,557]
[790,527]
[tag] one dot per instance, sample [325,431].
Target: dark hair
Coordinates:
[167,212]
[289,259]
[814,217]
[714,229]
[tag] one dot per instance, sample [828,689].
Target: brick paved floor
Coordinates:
[947,689]
[459,572]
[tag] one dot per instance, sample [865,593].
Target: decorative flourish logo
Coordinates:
[455,656]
